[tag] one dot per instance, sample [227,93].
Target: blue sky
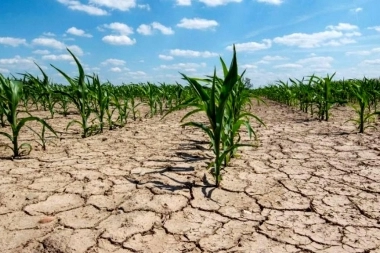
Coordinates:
[136,41]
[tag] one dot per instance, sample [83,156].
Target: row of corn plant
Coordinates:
[320,94]
[11,94]
[224,105]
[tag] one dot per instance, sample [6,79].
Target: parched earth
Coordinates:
[310,186]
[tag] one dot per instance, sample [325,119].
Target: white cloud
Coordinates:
[75,49]
[191,53]
[61,57]
[49,42]
[39,51]
[305,40]
[274,2]
[343,27]
[53,43]
[165,57]
[184,2]
[119,28]
[361,53]
[251,46]
[49,34]
[115,69]
[118,40]
[144,6]
[10,41]
[371,62]
[376,28]
[218,2]
[288,66]
[182,66]
[148,29]
[145,29]
[122,5]
[78,6]
[317,62]
[17,60]
[114,62]
[357,10]
[3,70]
[273,58]
[163,29]
[338,35]
[248,66]
[78,32]
[197,23]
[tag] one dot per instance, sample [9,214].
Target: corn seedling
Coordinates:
[10,98]
[214,102]
[359,91]
[79,95]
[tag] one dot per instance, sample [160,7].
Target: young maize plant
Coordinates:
[100,100]
[10,97]
[79,95]
[216,103]
[45,91]
[359,91]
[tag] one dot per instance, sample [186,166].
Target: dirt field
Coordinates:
[310,187]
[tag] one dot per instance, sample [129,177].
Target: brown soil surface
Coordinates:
[310,186]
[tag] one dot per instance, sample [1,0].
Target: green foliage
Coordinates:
[10,97]
[223,105]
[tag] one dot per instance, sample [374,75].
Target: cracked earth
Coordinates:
[310,186]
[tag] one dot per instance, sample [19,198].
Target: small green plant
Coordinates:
[10,97]
[79,95]
[358,90]
[224,109]
[42,138]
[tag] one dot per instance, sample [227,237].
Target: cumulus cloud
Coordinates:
[251,46]
[191,53]
[376,28]
[183,2]
[218,2]
[121,5]
[60,57]
[183,66]
[78,6]
[114,62]
[118,40]
[340,34]
[197,23]
[145,29]
[274,2]
[165,57]
[78,32]
[49,42]
[120,28]
[13,42]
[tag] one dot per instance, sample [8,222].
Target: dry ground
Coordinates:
[310,187]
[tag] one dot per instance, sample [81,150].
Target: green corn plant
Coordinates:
[101,100]
[79,95]
[121,105]
[358,90]
[150,92]
[62,100]
[236,115]
[325,100]
[10,98]
[42,138]
[45,90]
[214,103]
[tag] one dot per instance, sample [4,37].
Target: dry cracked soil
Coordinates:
[309,186]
